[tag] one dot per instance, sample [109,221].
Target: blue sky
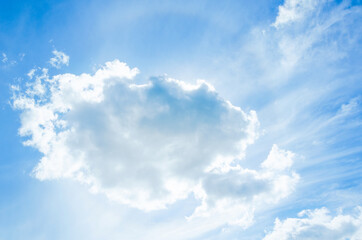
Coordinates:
[180,119]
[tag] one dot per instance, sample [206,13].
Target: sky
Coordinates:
[181,119]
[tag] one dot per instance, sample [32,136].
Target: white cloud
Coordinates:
[31,73]
[319,224]
[149,145]
[294,10]
[278,159]
[59,59]
[315,40]
[6,61]
[5,58]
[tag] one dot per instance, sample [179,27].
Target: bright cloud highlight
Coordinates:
[295,10]
[319,224]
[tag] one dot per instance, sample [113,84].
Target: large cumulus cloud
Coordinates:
[148,145]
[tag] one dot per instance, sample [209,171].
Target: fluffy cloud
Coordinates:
[294,10]
[278,159]
[319,224]
[149,145]
[239,192]
[59,59]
